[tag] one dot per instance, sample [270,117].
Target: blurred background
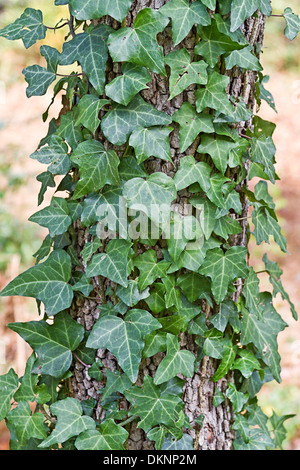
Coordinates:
[21,129]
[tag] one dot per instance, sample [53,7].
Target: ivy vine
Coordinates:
[150,301]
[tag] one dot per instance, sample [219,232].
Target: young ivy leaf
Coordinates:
[184,15]
[150,269]
[70,422]
[54,154]
[39,79]
[191,124]
[119,123]
[218,148]
[124,338]
[152,405]
[90,50]
[263,151]
[97,167]
[47,180]
[113,263]
[183,72]
[191,172]
[47,282]
[223,268]
[52,57]
[29,390]
[138,45]
[214,95]
[151,142]
[175,362]
[246,363]
[87,112]
[245,59]
[110,436]
[95,9]
[123,88]
[55,217]
[53,343]
[29,27]
[265,225]
[243,9]
[292,24]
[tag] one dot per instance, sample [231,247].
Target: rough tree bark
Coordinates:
[216,432]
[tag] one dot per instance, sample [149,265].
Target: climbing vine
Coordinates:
[158,269]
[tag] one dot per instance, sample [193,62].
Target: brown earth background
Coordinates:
[21,129]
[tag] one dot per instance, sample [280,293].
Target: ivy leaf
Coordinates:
[90,50]
[70,422]
[182,229]
[266,225]
[246,363]
[280,433]
[223,268]
[119,123]
[251,292]
[39,79]
[124,338]
[245,59]
[97,167]
[110,196]
[263,151]
[228,311]
[191,172]
[152,195]
[138,44]
[110,436]
[54,154]
[55,217]
[52,57]
[87,112]
[70,131]
[113,263]
[175,362]
[218,148]
[264,94]
[29,391]
[275,273]
[26,425]
[115,382]
[29,27]
[214,43]
[230,352]
[149,268]
[151,142]
[184,16]
[131,295]
[243,9]
[292,24]
[214,95]
[47,180]
[52,343]
[238,399]
[191,124]
[263,334]
[194,286]
[217,189]
[123,88]
[152,405]
[8,385]
[183,72]
[95,9]
[185,443]
[158,436]
[46,282]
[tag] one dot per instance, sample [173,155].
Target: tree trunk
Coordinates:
[216,432]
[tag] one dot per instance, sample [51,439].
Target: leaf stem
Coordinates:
[129,420]
[81,362]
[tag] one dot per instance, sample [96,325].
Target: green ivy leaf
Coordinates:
[113,263]
[243,9]
[97,167]
[122,121]
[52,343]
[110,436]
[39,79]
[185,443]
[150,269]
[47,282]
[245,59]
[238,399]
[52,57]
[30,391]
[183,72]
[214,95]
[292,24]
[124,87]
[70,422]
[8,385]
[138,44]
[151,142]
[90,50]
[191,172]
[263,151]
[26,425]
[184,16]
[230,352]
[246,363]
[175,362]
[87,112]
[29,27]
[47,180]
[152,405]
[115,382]
[54,154]
[223,268]
[131,295]
[95,9]
[218,148]
[124,338]
[55,217]
[191,124]
[278,428]
[265,225]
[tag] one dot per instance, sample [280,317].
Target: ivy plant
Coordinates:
[147,295]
